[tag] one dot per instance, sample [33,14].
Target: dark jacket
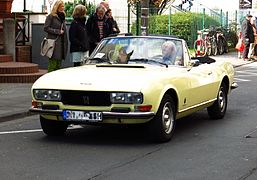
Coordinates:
[93,30]
[53,27]
[114,26]
[79,40]
[247,32]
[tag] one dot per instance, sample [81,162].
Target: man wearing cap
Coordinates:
[247,35]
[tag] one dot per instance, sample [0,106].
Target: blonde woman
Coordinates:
[55,28]
[79,41]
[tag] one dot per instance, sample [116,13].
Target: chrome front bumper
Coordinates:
[116,115]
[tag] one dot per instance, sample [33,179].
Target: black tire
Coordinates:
[219,108]
[52,127]
[163,125]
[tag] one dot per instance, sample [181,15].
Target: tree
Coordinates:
[156,6]
[69,7]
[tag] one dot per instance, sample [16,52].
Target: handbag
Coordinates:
[240,46]
[47,47]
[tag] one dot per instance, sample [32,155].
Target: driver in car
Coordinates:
[123,56]
[169,52]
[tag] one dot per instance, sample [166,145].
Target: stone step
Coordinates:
[23,53]
[21,78]
[5,57]
[18,68]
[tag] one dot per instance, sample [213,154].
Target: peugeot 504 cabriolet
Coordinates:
[133,80]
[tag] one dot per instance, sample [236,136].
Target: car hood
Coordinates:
[103,77]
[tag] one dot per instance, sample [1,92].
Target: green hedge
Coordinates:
[183,25]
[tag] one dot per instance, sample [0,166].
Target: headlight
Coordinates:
[126,98]
[47,94]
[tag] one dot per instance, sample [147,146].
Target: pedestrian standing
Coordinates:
[248,35]
[55,28]
[240,45]
[98,27]
[108,13]
[79,40]
[254,46]
[115,27]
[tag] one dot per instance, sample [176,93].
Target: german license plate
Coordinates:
[91,116]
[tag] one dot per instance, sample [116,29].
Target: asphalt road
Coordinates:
[201,149]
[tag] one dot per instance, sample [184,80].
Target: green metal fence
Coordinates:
[167,23]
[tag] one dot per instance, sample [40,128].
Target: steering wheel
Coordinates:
[110,55]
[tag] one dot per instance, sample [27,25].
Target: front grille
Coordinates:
[85,98]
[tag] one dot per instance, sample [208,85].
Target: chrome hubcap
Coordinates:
[167,118]
[222,100]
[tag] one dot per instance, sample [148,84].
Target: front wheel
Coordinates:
[219,108]
[52,127]
[163,125]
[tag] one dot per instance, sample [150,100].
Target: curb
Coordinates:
[239,65]
[14,116]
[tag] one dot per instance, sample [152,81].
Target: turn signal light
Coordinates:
[36,104]
[144,108]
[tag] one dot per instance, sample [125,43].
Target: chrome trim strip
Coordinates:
[128,115]
[57,112]
[132,115]
[198,105]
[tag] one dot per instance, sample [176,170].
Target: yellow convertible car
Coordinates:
[133,80]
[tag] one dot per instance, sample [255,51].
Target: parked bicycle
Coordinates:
[210,42]
[203,44]
[221,41]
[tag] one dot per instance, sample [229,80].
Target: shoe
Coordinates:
[245,59]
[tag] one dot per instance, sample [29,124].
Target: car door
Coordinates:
[203,84]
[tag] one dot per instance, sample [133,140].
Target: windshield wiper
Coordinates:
[100,60]
[144,60]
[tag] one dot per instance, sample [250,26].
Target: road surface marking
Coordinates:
[35,130]
[241,80]
[22,131]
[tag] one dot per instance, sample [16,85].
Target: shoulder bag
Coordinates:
[47,46]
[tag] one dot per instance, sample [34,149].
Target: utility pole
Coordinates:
[144,17]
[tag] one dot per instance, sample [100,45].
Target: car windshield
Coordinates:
[138,50]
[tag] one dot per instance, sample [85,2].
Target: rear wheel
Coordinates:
[163,125]
[219,108]
[52,127]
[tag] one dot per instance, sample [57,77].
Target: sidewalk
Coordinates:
[15,99]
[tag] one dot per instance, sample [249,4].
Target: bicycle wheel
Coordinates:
[214,47]
[200,47]
[225,46]
[220,45]
[208,47]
